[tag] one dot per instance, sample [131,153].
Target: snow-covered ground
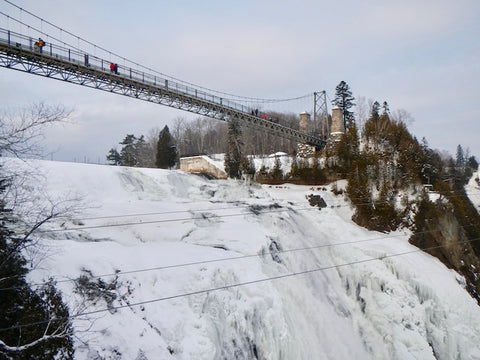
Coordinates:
[473,189]
[226,270]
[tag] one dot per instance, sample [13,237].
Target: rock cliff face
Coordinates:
[440,234]
[449,229]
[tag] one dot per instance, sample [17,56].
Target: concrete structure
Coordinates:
[337,130]
[202,165]
[304,122]
[338,127]
[305,150]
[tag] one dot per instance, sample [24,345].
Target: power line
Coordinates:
[170,220]
[196,218]
[182,219]
[155,213]
[165,267]
[214,216]
[229,286]
[244,256]
[188,219]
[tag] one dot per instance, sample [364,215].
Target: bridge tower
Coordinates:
[321,123]
[305,150]
[338,126]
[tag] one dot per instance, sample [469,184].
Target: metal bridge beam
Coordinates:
[133,84]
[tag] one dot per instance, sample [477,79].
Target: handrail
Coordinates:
[23,45]
[76,57]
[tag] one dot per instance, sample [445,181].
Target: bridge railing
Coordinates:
[80,58]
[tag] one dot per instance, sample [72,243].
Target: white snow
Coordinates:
[473,189]
[341,292]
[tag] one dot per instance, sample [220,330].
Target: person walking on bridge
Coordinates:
[39,45]
[114,68]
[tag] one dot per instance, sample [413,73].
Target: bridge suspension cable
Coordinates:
[70,63]
[233,97]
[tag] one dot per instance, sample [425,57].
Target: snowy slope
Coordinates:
[315,285]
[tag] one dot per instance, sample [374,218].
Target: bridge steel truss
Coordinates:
[80,68]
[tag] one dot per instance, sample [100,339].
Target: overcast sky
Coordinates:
[418,55]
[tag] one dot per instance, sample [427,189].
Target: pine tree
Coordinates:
[128,153]
[344,100]
[375,112]
[166,150]
[277,173]
[386,108]
[135,152]
[472,163]
[460,163]
[348,149]
[233,156]
[248,167]
[141,152]
[114,157]
[460,160]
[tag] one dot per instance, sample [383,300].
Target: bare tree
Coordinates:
[22,219]
[177,128]
[209,136]
[151,147]
[362,111]
[402,115]
[22,129]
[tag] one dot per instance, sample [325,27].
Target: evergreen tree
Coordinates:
[141,152]
[233,156]
[472,163]
[166,150]
[460,160]
[460,167]
[128,153]
[375,112]
[344,100]
[248,167]
[386,108]
[135,152]
[347,150]
[277,173]
[114,157]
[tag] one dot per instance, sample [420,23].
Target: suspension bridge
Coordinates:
[58,60]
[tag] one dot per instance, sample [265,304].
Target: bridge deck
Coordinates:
[20,53]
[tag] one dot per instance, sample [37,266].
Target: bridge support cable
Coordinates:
[19,52]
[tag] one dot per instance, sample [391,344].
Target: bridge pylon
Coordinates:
[321,123]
